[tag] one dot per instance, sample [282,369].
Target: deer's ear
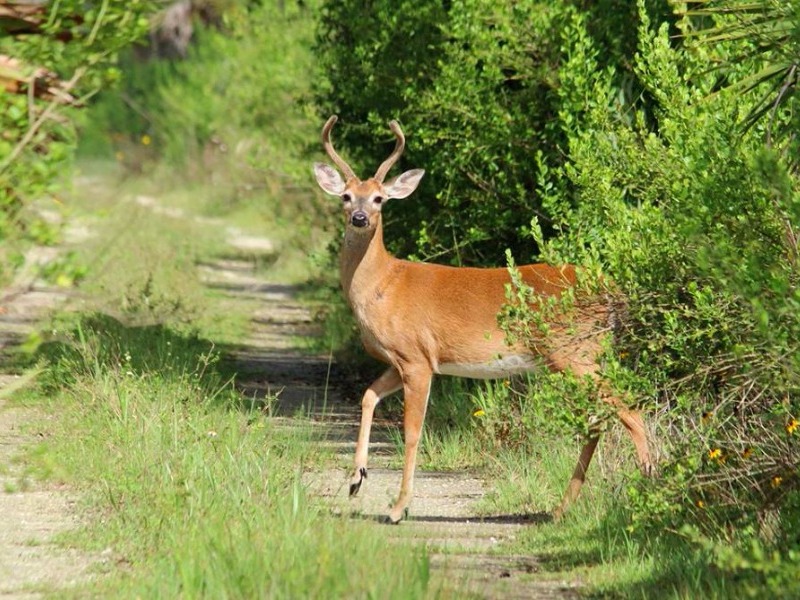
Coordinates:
[404,184]
[329,179]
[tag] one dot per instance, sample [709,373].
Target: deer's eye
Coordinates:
[346,197]
[377,199]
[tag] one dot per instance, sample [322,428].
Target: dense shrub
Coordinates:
[476,86]
[692,218]
[634,158]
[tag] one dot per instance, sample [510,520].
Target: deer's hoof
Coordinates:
[394,518]
[355,484]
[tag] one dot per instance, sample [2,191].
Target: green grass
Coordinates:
[198,495]
[595,543]
[599,541]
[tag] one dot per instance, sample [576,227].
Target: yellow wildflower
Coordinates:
[776,481]
[478,412]
[146,139]
[715,454]
[701,504]
[63,280]
[791,426]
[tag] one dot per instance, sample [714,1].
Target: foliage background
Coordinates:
[78,42]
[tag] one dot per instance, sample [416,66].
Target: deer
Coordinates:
[424,319]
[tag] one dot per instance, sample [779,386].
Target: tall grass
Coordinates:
[190,492]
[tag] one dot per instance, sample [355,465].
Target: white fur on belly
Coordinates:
[493,369]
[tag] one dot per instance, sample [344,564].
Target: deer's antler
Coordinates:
[326,143]
[380,174]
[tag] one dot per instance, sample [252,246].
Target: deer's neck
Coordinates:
[363,259]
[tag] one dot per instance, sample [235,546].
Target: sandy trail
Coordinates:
[465,549]
[32,514]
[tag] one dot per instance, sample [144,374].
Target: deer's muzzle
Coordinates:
[359,219]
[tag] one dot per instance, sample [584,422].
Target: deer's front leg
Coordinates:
[416,389]
[386,384]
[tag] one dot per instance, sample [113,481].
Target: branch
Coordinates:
[41,83]
[27,17]
[26,139]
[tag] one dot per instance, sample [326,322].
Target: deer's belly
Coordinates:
[498,368]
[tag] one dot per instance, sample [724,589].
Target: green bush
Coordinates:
[626,153]
[477,87]
[689,215]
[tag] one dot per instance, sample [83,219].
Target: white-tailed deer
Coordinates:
[424,319]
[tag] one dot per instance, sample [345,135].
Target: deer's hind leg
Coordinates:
[578,476]
[633,422]
[581,359]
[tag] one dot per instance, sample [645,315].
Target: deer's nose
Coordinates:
[359,219]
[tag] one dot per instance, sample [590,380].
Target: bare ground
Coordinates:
[32,514]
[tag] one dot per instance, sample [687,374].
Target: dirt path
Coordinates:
[466,551]
[464,548]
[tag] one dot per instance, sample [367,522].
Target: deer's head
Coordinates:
[362,200]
